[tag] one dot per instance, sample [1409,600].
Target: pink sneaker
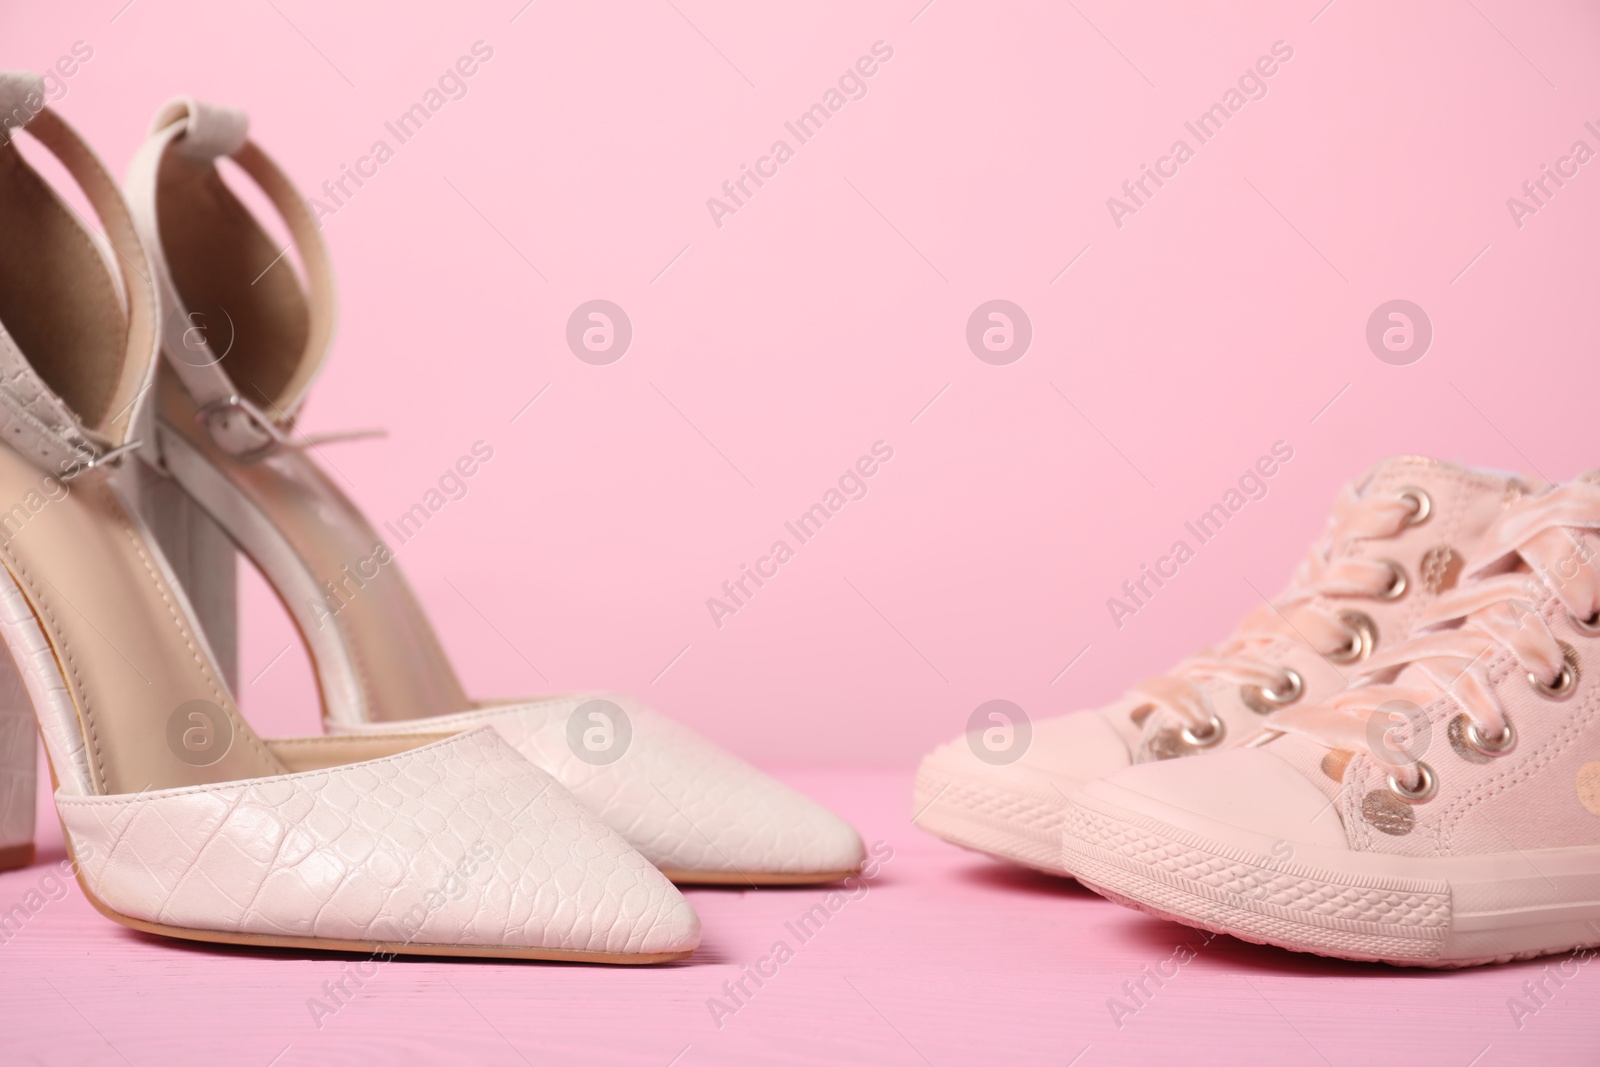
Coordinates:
[1467,832]
[1396,539]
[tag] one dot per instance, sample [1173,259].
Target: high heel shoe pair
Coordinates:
[424,822]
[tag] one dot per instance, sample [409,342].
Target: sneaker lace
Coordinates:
[1245,658]
[1535,551]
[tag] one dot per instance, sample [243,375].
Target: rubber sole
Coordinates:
[1440,912]
[982,817]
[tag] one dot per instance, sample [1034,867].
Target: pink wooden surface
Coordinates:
[947,959]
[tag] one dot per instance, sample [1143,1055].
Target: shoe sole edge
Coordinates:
[382,948]
[1171,873]
[957,810]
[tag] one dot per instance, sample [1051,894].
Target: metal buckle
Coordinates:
[259,422]
[109,458]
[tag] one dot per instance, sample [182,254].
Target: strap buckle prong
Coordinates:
[253,415]
[109,458]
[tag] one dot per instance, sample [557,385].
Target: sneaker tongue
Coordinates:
[1461,501]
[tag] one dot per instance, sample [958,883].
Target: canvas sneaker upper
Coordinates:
[1476,735]
[1396,539]
[1444,810]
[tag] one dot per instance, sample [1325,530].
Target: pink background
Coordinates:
[806,328]
[829,313]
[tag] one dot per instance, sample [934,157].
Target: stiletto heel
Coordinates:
[227,435]
[179,819]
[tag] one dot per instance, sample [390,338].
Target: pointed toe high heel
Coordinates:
[180,820]
[226,435]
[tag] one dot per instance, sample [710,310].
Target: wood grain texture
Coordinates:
[946,958]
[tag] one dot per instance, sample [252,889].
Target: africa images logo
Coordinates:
[999,332]
[1252,85]
[599,332]
[199,733]
[599,732]
[852,485]
[852,85]
[1251,486]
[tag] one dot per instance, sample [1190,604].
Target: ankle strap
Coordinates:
[241,419]
[34,418]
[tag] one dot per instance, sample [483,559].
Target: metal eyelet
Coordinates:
[1397,588]
[1293,686]
[1266,701]
[1565,683]
[1216,728]
[1589,627]
[1421,504]
[1498,746]
[1559,690]
[1363,638]
[1427,785]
